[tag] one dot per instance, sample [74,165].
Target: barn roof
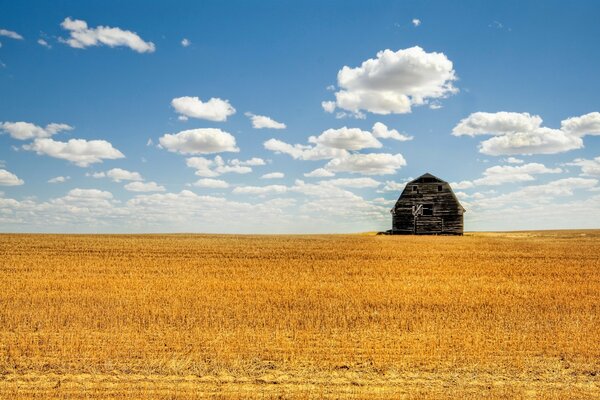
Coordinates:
[429,176]
[434,179]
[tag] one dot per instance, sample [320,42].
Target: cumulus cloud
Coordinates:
[358,183]
[217,166]
[393,82]
[262,121]
[346,139]
[78,151]
[273,175]
[513,160]
[9,179]
[118,175]
[516,133]
[319,173]
[393,186]
[588,167]
[199,141]
[367,164]
[214,109]
[260,190]
[538,194]
[81,36]
[26,130]
[185,42]
[499,123]
[144,187]
[59,179]
[10,34]
[335,143]
[211,183]
[303,152]
[383,132]
[416,22]
[501,174]
[588,124]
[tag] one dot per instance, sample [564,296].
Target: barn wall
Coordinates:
[447,215]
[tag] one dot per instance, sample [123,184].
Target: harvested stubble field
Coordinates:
[361,316]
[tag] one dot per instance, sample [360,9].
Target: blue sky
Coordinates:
[498,98]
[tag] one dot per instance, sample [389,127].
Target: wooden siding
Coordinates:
[447,214]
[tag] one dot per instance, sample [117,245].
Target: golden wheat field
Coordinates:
[359,316]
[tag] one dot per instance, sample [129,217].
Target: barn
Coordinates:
[427,206]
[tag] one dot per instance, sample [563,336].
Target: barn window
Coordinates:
[414,188]
[439,188]
[428,209]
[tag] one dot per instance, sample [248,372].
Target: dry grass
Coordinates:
[496,315]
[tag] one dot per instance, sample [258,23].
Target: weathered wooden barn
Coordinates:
[427,206]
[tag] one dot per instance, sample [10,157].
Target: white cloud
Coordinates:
[185,42]
[199,141]
[383,132]
[262,121]
[392,186]
[217,166]
[144,187]
[254,162]
[10,34]
[303,152]
[260,190]
[588,167]
[211,183]
[26,130]
[214,109]
[516,133]
[513,160]
[44,43]
[319,173]
[416,21]
[367,164]
[328,106]
[81,37]
[501,174]
[96,175]
[346,139]
[394,82]
[9,179]
[539,141]
[59,179]
[588,124]
[78,151]
[462,185]
[538,194]
[273,175]
[353,182]
[118,175]
[499,123]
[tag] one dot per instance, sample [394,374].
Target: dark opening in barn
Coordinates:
[427,206]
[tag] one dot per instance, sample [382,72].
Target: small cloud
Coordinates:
[82,36]
[144,187]
[9,179]
[186,42]
[273,175]
[149,142]
[331,88]
[59,179]
[10,34]
[416,21]
[496,25]
[44,43]
[262,121]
